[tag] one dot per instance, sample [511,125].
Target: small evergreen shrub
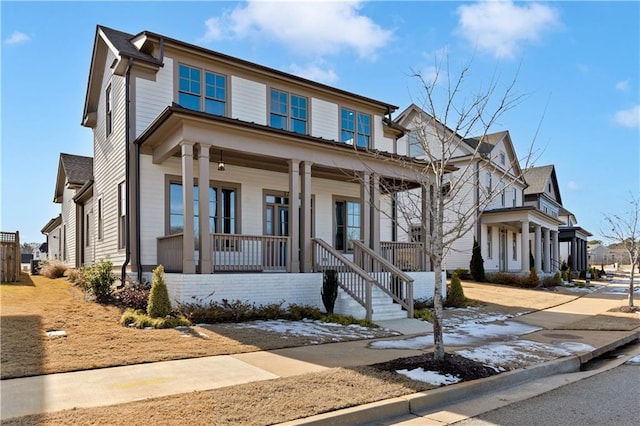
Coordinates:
[100,279]
[505,278]
[476,266]
[271,311]
[557,279]
[423,314]
[299,312]
[463,274]
[346,320]
[455,293]
[159,305]
[420,304]
[329,289]
[53,269]
[139,319]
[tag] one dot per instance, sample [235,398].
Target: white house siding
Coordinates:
[89,217]
[324,119]
[152,97]
[386,218]
[548,208]
[381,143]
[248,100]
[69,227]
[109,165]
[54,242]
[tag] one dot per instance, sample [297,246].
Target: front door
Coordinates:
[503,250]
[276,223]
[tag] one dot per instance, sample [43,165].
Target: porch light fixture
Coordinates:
[221,163]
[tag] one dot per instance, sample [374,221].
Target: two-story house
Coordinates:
[490,199]
[543,193]
[69,235]
[212,165]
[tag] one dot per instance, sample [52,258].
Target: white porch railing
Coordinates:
[406,256]
[231,253]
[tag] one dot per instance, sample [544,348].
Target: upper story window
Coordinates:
[503,158]
[416,149]
[288,112]
[108,110]
[514,196]
[488,183]
[355,126]
[503,195]
[191,87]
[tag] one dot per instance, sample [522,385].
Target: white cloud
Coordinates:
[573,185]
[502,27]
[313,28]
[628,117]
[622,86]
[17,38]
[316,72]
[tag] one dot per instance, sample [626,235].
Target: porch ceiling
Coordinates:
[514,217]
[265,148]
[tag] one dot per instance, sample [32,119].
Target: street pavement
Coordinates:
[582,319]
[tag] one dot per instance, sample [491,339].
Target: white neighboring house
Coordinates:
[69,235]
[508,229]
[241,180]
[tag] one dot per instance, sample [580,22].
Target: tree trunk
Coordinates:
[630,298]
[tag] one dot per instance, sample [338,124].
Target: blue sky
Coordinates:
[577,66]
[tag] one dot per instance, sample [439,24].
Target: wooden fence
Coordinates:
[9,256]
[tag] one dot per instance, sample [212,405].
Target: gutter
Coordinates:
[123,271]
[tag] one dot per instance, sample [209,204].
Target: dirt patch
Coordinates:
[603,323]
[626,309]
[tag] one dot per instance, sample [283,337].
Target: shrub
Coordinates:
[557,279]
[77,277]
[455,293]
[463,274]
[139,319]
[420,304]
[100,279]
[159,305]
[298,312]
[423,314]
[134,296]
[476,266]
[270,311]
[505,278]
[346,320]
[53,269]
[329,289]
[534,280]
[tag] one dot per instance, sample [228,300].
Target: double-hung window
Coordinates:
[489,242]
[488,183]
[288,112]
[416,148]
[192,86]
[122,215]
[222,208]
[355,128]
[108,111]
[347,224]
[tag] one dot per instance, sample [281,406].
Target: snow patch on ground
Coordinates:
[308,328]
[431,377]
[515,354]
[576,347]
[633,361]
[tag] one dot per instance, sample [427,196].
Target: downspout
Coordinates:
[478,210]
[127,180]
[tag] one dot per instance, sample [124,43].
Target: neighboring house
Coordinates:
[69,235]
[543,193]
[507,229]
[212,165]
[599,255]
[53,231]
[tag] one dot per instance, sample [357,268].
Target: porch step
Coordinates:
[382,305]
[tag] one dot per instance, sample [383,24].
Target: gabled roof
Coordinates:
[138,48]
[74,171]
[52,224]
[486,142]
[537,179]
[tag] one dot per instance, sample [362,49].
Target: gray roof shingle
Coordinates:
[77,168]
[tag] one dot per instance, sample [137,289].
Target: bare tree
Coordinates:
[454,136]
[625,230]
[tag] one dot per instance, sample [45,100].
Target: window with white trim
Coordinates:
[355,127]
[489,242]
[108,102]
[122,215]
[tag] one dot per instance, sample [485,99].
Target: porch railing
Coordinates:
[353,279]
[231,253]
[390,279]
[246,253]
[406,256]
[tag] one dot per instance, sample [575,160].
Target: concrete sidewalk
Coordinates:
[573,320]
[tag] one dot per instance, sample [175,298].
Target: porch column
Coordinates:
[294,216]
[375,213]
[537,260]
[547,250]
[188,239]
[574,255]
[524,243]
[306,219]
[204,238]
[365,200]
[555,249]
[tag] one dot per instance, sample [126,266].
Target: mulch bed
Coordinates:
[464,368]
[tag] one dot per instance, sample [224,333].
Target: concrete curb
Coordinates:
[423,402]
